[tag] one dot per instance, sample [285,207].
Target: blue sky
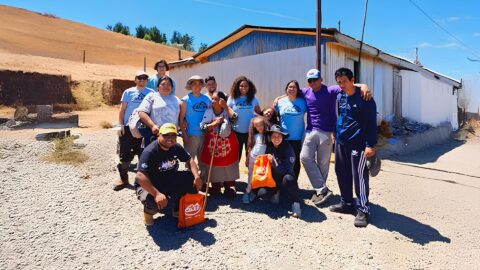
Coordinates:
[394,26]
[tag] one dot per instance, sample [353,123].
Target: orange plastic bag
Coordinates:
[191,210]
[262,173]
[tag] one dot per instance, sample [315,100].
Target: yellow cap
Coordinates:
[168,128]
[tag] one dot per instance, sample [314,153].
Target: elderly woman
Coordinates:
[291,110]
[159,108]
[217,124]
[282,158]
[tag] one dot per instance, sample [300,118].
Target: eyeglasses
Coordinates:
[142,78]
[312,80]
[159,66]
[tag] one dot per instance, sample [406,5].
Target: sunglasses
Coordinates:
[142,78]
[169,136]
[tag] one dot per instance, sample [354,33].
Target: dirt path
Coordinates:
[59,216]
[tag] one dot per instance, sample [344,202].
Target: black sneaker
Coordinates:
[361,220]
[319,199]
[343,208]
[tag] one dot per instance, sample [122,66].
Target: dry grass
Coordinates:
[88,95]
[64,153]
[106,125]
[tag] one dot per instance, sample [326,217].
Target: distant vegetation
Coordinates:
[154,34]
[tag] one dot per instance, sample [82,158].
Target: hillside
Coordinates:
[28,33]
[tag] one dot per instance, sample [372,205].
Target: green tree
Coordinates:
[119,28]
[203,47]
[140,31]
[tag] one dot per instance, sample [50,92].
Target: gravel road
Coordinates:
[425,213]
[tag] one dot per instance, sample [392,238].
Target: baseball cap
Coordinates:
[168,128]
[313,74]
[140,73]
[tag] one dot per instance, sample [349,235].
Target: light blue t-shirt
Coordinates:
[196,107]
[153,83]
[133,97]
[292,115]
[245,112]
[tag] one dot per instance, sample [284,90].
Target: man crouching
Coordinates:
[158,178]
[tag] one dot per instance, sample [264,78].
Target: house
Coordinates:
[272,56]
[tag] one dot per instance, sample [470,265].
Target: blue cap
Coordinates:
[313,74]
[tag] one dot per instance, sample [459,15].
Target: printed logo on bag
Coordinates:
[200,107]
[192,209]
[260,171]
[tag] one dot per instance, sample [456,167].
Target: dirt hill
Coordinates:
[29,33]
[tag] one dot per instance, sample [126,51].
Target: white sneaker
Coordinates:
[246,198]
[296,210]
[275,199]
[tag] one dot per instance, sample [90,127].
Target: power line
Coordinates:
[445,30]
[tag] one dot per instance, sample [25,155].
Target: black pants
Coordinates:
[242,142]
[173,184]
[129,146]
[297,148]
[287,183]
[350,166]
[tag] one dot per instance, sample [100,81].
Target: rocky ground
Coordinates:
[424,215]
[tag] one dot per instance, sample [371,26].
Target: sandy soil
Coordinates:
[424,215]
[29,33]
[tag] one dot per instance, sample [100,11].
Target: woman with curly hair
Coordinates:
[243,102]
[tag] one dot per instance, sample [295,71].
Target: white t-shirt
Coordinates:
[162,109]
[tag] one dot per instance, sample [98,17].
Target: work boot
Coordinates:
[121,183]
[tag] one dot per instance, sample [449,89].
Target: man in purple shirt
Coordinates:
[321,118]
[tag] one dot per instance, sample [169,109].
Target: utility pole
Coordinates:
[361,42]
[339,25]
[319,35]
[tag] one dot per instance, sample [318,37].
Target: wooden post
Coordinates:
[84,56]
[145,63]
[319,36]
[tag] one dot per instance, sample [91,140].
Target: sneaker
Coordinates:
[118,184]
[296,210]
[275,199]
[319,199]
[229,193]
[361,220]
[147,219]
[246,198]
[343,208]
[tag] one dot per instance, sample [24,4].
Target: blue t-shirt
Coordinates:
[153,83]
[292,115]
[244,110]
[196,107]
[133,97]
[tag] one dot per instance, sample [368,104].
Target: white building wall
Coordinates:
[428,100]
[279,67]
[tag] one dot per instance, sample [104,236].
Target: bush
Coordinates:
[64,153]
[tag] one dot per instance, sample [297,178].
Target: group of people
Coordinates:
[216,129]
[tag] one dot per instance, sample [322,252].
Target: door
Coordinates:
[397,95]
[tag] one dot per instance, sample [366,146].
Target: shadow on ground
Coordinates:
[167,236]
[432,155]
[414,230]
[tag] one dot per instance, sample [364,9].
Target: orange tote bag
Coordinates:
[262,173]
[191,210]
